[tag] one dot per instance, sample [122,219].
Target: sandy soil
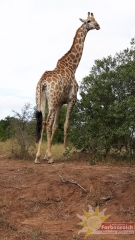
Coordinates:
[36,203]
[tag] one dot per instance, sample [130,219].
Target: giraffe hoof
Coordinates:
[45,158]
[50,161]
[36,161]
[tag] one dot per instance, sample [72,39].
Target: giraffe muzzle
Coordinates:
[97,27]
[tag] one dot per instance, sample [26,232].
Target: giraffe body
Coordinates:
[59,87]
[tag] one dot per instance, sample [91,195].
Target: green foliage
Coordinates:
[59,135]
[105,115]
[5,132]
[67,154]
[22,126]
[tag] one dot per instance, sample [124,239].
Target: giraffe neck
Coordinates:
[72,58]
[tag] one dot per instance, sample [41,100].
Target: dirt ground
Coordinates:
[42,201]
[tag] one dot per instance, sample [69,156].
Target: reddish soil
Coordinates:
[36,204]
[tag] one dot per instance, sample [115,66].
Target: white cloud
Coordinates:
[8,104]
[36,33]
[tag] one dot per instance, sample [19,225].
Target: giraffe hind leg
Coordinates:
[54,128]
[49,122]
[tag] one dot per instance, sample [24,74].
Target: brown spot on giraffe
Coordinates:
[59,87]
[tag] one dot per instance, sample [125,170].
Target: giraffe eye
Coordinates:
[88,21]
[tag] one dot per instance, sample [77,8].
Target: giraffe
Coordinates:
[59,87]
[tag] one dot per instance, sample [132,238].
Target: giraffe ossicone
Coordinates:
[59,87]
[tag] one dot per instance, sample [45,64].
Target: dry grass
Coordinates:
[57,150]
[5,148]
[10,149]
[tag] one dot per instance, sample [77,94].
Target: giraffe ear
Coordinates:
[82,20]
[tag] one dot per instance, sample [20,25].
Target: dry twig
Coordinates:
[72,181]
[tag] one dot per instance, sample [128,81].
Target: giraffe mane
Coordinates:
[70,50]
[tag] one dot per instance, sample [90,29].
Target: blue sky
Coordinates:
[36,33]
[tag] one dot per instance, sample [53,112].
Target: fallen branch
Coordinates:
[105,199]
[73,182]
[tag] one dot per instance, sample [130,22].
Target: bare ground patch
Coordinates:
[36,204]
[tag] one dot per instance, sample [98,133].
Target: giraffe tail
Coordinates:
[39,118]
[41,105]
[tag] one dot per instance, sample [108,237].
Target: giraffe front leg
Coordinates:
[48,157]
[66,124]
[55,123]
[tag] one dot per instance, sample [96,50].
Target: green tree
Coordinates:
[59,135]
[105,115]
[5,131]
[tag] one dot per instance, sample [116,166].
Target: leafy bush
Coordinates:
[23,133]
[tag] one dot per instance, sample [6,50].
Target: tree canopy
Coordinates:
[105,115]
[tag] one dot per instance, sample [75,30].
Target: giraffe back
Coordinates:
[60,87]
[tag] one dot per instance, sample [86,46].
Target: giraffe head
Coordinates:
[90,23]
